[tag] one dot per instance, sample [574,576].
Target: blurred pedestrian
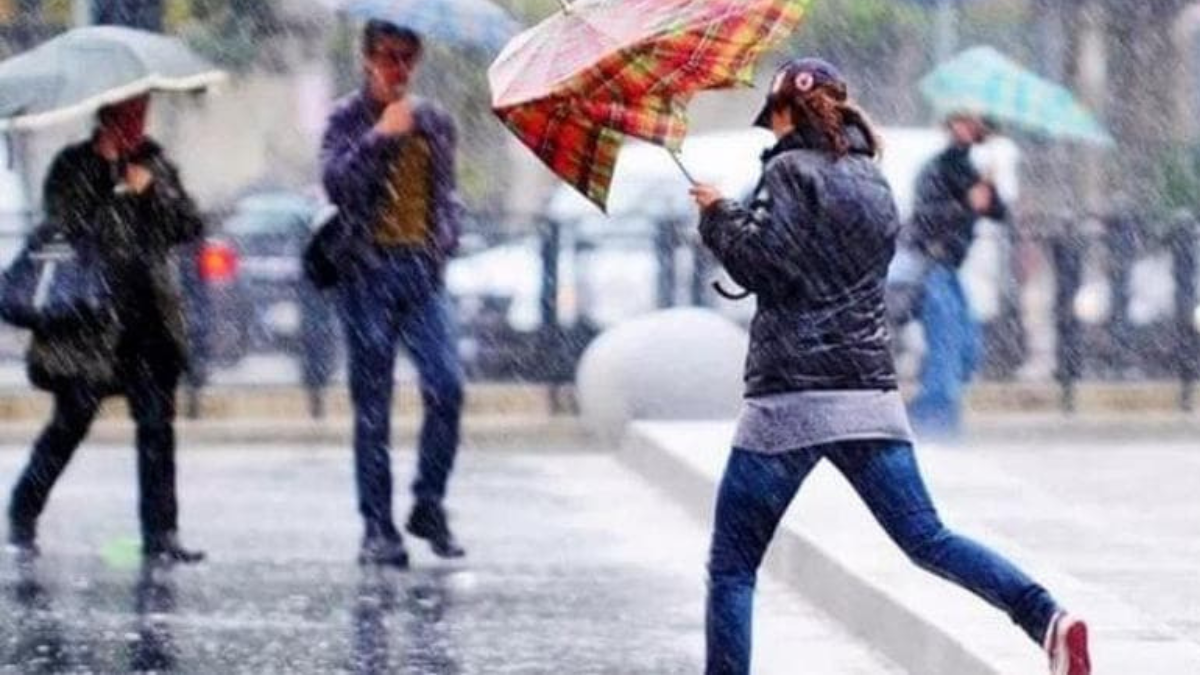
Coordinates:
[951,196]
[388,164]
[814,246]
[119,193]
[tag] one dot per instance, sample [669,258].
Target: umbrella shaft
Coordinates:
[679,162]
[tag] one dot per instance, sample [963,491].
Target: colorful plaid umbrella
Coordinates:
[982,80]
[570,87]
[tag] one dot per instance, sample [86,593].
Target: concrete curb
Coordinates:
[1110,407]
[291,402]
[832,552]
[478,431]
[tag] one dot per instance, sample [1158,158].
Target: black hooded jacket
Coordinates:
[814,247]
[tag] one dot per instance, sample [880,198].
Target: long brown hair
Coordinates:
[827,110]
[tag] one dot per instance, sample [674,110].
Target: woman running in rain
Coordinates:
[814,246]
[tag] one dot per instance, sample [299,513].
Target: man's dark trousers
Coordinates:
[401,303]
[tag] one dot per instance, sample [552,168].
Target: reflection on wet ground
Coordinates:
[557,581]
[396,622]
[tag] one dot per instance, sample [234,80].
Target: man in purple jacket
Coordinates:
[388,164]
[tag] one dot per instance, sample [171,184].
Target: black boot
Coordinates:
[22,539]
[383,551]
[165,548]
[428,521]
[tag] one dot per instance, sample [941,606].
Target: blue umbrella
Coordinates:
[984,81]
[83,69]
[466,23]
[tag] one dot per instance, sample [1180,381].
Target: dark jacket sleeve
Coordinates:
[999,208]
[936,200]
[166,205]
[354,159]
[756,244]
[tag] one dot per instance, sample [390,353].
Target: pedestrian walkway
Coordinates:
[1109,528]
[575,566]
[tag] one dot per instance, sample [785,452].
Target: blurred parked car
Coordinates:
[247,293]
[505,333]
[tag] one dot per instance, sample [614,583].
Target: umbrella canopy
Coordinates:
[465,23]
[982,80]
[84,69]
[570,87]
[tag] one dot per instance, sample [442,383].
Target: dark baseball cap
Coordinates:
[793,79]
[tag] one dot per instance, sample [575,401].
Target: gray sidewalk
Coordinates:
[1110,528]
[497,430]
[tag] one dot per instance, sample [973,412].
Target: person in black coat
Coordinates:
[814,247]
[118,193]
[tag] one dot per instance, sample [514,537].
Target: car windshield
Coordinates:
[258,223]
[268,214]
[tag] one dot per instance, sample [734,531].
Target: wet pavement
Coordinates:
[574,566]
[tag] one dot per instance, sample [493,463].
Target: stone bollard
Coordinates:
[676,364]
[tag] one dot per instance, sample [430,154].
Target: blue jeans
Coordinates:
[951,354]
[756,490]
[393,306]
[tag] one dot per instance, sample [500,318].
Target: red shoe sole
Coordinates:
[1077,647]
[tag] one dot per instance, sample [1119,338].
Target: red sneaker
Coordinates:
[1067,645]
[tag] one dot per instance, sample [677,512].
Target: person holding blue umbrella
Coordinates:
[967,92]
[951,196]
[388,164]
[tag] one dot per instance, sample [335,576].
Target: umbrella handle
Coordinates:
[730,295]
[566,6]
[679,163]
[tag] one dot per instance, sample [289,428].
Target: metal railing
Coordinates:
[1116,344]
[1092,272]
